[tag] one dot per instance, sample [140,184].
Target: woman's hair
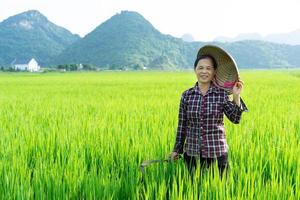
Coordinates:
[204,57]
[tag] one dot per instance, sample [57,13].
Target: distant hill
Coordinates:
[239,37]
[261,54]
[291,38]
[30,34]
[187,37]
[128,39]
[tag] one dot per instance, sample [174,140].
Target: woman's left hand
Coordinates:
[237,88]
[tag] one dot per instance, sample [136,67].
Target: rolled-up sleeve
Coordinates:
[181,129]
[233,111]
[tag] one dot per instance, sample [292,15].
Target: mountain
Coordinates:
[240,37]
[128,39]
[262,54]
[291,38]
[30,35]
[187,37]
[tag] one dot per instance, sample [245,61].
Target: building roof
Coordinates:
[21,61]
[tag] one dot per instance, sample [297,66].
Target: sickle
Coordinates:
[149,162]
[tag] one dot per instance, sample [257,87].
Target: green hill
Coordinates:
[127,39]
[30,34]
[261,54]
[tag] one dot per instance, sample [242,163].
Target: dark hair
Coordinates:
[204,56]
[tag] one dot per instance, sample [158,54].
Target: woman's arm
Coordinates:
[234,109]
[181,129]
[236,90]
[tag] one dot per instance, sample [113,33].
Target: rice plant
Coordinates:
[84,136]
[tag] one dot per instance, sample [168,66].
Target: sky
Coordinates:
[203,19]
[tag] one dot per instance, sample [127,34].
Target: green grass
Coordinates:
[84,136]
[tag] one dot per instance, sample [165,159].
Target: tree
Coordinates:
[138,67]
[73,67]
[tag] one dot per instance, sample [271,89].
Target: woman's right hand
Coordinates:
[174,155]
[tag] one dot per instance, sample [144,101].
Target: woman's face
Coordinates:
[205,71]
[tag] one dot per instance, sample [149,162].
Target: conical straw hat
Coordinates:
[227,72]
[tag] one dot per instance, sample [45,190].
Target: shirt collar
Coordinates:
[212,88]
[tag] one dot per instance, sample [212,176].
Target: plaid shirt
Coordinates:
[200,122]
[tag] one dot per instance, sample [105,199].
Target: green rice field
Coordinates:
[85,135]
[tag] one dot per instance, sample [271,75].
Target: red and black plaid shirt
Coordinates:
[200,122]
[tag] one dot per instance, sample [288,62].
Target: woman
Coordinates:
[200,132]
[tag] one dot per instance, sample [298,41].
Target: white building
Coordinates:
[31,66]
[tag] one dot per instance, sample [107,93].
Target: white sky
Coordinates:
[204,19]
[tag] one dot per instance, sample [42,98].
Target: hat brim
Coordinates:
[227,72]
